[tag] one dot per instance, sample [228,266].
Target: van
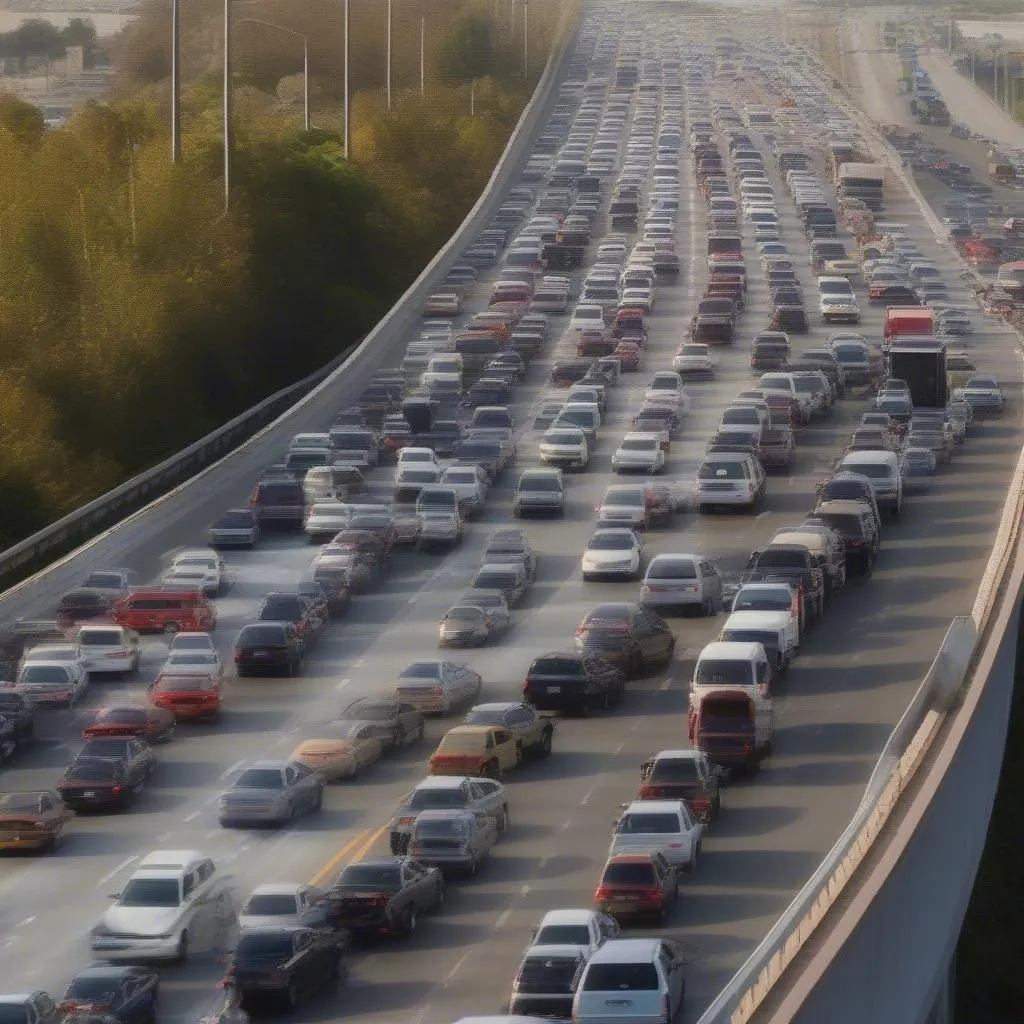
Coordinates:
[732,725]
[279,502]
[332,483]
[883,470]
[776,632]
[743,663]
[159,610]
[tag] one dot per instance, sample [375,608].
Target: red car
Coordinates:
[628,354]
[637,885]
[188,697]
[147,723]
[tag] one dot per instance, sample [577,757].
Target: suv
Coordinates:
[269,647]
[156,914]
[539,490]
[509,544]
[158,610]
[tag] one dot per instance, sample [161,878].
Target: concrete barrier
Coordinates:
[231,477]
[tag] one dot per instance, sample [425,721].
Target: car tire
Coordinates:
[182,953]
[291,996]
[397,735]
[708,608]
[408,926]
[715,809]
[545,743]
[472,868]
[318,803]
[503,822]
[492,770]
[442,894]
[691,867]
[170,628]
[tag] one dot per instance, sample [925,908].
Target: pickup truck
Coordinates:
[715,320]
[532,732]
[793,564]
[478,796]
[663,825]
[682,775]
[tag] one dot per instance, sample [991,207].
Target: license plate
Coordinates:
[554,689]
[261,654]
[89,793]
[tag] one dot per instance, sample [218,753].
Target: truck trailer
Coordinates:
[921,362]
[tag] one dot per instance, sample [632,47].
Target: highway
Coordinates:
[848,687]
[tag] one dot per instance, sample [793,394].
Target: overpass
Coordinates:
[884,680]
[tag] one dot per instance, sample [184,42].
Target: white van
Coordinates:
[883,470]
[741,663]
[776,632]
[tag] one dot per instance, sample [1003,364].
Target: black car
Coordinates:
[290,963]
[99,783]
[81,606]
[545,984]
[331,595]
[573,682]
[790,318]
[509,544]
[629,635]
[20,712]
[296,610]
[384,896]
[128,994]
[488,391]
[346,573]
[444,435]
[268,648]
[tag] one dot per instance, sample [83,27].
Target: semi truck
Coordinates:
[862,181]
[921,362]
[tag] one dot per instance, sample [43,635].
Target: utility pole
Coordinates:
[389,56]
[526,39]
[472,98]
[423,57]
[345,134]
[175,82]
[227,104]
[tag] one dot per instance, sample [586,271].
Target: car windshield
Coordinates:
[563,437]
[848,525]
[92,769]
[727,672]
[721,471]
[256,636]
[541,974]
[629,496]
[260,778]
[422,670]
[370,711]
[150,892]
[629,873]
[13,803]
[563,935]
[540,483]
[611,542]
[636,823]
[638,444]
[92,990]
[270,905]
[283,608]
[447,827]
[236,520]
[494,579]
[874,470]
[377,876]
[621,978]
[273,946]
[437,799]
[672,569]
[464,613]
[104,581]
[45,675]
[556,667]
[100,638]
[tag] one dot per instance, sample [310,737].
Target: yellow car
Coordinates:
[476,750]
[339,750]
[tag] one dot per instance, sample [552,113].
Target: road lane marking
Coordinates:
[28,920]
[589,793]
[502,918]
[338,857]
[343,683]
[618,749]
[234,769]
[455,969]
[368,845]
[127,862]
[192,816]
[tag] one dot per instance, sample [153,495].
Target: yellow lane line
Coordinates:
[338,857]
[367,846]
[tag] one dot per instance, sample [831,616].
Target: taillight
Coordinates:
[747,747]
[117,789]
[437,691]
[652,894]
[603,892]
[650,792]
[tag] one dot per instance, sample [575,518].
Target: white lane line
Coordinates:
[28,920]
[502,918]
[524,890]
[455,970]
[666,683]
[234,769]
[618,749]
[343,683]
[565,824]
[359,663]
[588,795]
[543,861]
[192,816]
[127,862]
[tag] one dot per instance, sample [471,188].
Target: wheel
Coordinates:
[397,735]
[635,665]
[492,770]
[421,731]
[708,608]
[442,893]
[182,953]
[291,997]
[716,808]
[471,870]
[692,866]
[503,822]
[408,926]
[170,628]
[545,743]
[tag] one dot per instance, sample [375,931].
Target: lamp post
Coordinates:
[423,57]
[175,82]
[305,60]
[227,104]
[526,39]
[345,133]
[388,61]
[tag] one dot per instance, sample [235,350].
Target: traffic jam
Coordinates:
[497,412]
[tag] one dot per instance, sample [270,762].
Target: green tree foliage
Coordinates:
[468,50]
[136,315]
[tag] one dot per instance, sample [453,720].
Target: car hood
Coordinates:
[142,920]
[609,557]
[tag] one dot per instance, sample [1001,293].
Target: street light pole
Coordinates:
[345,135]
[227,104]
[305,59]
[175,82]
[526,39]
[423,57]
[389,55]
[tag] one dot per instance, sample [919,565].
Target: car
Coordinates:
[289,962]
[326,519]
[585,930]
[145,722]
[477,795]
[839,308]
[679,581]
[545,981]
[285,904]
[272,648]
[170,894]
[236,528]
[108,648]
[81,605]
[294,609]
[453,839]
[565,447]
[627,635]
[666,387]
[477,750]
[32,820]
[270,793]
[339,749]
[612,554]
[510,544]
[730,479]
[665,825]
[650,968]
[470,483]
[533,733]
[586,315]
[205,564]
[393,722]
[466,625]
[68,654]
[30,1008]
[113,582]
[191,696]
[136,754]
[983,395]
[128,994]
[637,885]
[385,895]
[625,505]
[918,469]
[508,577]
[539,491]
[435,687]
[686,775]
[195,662]
[639,451]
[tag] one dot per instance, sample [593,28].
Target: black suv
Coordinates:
[573,682]
[268,648]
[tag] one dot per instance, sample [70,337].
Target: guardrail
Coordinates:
[902,754]
[160,477]
[237,470]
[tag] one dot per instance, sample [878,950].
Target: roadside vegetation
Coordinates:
[136,316]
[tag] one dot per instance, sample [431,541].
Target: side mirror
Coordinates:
[113,895]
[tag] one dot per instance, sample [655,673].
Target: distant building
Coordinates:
[75,58]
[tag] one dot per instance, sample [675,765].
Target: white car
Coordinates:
[565,447]
[325,519]
[839,307]
[59,680]
[983,395]
[202,560]
[470,483]
[175,901]
[639,451]
[612,554]
[109,648]
[637,298]
[192,642]
[280,905]
[585,316]
[663,825]
[194,663]
[310,441]
[419,457]
[69,654]
[693,360]
[729,478]
[666,388]
[587,930]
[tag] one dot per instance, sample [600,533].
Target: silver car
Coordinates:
[435,687]
[271,793]
[465,625]
[682,581]
[453,839]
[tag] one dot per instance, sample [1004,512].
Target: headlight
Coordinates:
[101,930]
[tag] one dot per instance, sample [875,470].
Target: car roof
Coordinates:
[443,782]
[169,860]
[754,617]
[731,649]
[504,705]
[278,889]
[620,950]
[568,916]
[664,806]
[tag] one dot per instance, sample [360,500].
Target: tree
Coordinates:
[467,52]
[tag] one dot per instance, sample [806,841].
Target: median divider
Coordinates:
[229,475]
